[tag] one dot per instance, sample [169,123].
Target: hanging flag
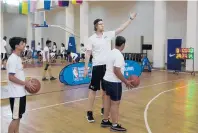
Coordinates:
[47,4]
[29,3]
[40,4]
[63,3]
[74,2]
[54,3]
[20,7]
[79,1]
[23,7]
[32,6]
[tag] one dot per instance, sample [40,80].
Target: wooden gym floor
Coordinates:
[163,103]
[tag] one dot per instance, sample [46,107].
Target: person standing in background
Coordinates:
[4,52]
[54,49]
[46,62]
[39,49]
[63,52]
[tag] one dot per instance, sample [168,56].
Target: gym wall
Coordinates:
[116,12]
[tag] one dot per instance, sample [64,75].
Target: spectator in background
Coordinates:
[54,49]
[63,54]
[82,52]
[72,57]
[39,54]
[4,52]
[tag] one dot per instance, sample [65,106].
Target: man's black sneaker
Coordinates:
[118,128]
[106,123]
[102,111]
[44,79]
[52,78]
[90,118]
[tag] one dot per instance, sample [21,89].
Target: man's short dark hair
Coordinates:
[48,42]
[96,22]
[4,38]
[15,41]
[82,45]
[120,40]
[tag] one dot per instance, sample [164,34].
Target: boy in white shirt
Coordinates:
[46,61]
[16,83]
[73,57]
[114,76]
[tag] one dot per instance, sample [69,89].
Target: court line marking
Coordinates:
[6,80]
[82,99]
[154,98]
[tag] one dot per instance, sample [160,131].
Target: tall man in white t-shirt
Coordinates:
[46,61]
[112,83]
[3,53]
[16,83]
[99,45]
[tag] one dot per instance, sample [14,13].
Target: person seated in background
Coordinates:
[27,55]
[62,52]
[82,52]
[72,57]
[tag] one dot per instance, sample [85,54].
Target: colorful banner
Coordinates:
[74,74]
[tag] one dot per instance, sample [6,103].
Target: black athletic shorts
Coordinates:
[18,107]
[82,56]
[98,73]
[113,89]
[4,56]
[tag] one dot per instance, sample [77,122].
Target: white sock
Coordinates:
[1,66]
[114,125]
[105,120]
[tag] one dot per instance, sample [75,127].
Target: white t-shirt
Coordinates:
[3,50]
[82,50]
[62,50]
[46,49]
[115,58]
[14,65]
[100,47]
[38,47]
[54,48]
[74,56]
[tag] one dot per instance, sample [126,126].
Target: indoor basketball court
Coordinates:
[165,101]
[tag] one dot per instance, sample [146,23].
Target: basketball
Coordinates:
[36,83]
[136,80]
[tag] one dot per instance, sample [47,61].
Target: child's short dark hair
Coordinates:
[120,40]
[68,52]
[15,41]
[48,42]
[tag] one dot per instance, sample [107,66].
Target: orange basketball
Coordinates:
[37,85]
[136,80]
